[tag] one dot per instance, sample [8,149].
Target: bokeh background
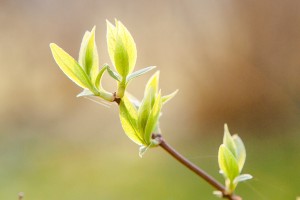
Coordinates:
[233,61]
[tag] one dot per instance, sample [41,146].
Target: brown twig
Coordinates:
[194,168]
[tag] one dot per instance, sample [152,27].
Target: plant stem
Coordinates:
[194,168]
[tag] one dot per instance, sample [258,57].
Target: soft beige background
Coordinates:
[232,61]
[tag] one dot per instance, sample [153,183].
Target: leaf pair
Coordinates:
[121,48]
[231,158]
[122,52]
[140,122]
[85,73]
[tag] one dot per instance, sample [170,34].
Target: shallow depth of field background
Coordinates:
[233,61]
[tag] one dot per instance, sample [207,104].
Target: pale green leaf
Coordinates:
[111,40]
[128,117]
[240,151]
[128,43]
[85,93]
[121,58]
[153,119]
[114,74]
[143,150]
[99,77]
[242,177]
[144,111]
[121,48]
[152,85]
[71,68]
[166,98]
[85,39]
[139,73]
[133,100]
[228,141]
[88,56]
[91,58]
[227,163]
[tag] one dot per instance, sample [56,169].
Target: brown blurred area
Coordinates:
[232,61]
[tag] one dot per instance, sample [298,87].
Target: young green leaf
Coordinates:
[152,86]
[71,68]
[82,50]
[228,141]
[121,48]
[227,163]
[99,77]
[240,151]
[128,117]
[166,98]
[153,119]
[114,74]
[128,43]
[103,93]
[143,150]
[88,56]
[121,58]
[133,100]
[85,93]
[139,73]
[144,111]
[241,178]
[111,40]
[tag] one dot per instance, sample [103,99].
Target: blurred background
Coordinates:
[234,62]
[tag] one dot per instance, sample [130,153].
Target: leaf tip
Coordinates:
[157,73]
[226,127]
[52,45]
[109,25]
[93,30]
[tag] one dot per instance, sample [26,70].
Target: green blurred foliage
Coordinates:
[237,62]
[68,168]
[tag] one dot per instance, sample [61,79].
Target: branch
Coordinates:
[209,179]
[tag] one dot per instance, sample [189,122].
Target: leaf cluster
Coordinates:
[138,121]
[231,158]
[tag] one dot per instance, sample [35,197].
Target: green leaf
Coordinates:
[82,50]
[152,86]
[90,60]
[128,117]
[144,111]
[242,177]
[111,40]
[240,151]
[128,43]
[228,141]
[85,93]
[143,150]
[166,98]
[121,58]
[133,100]
[139,73]
[121,48]
[153,119]
[88,54]
[99,77]
[71,68]
[227,163]
[114,74]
